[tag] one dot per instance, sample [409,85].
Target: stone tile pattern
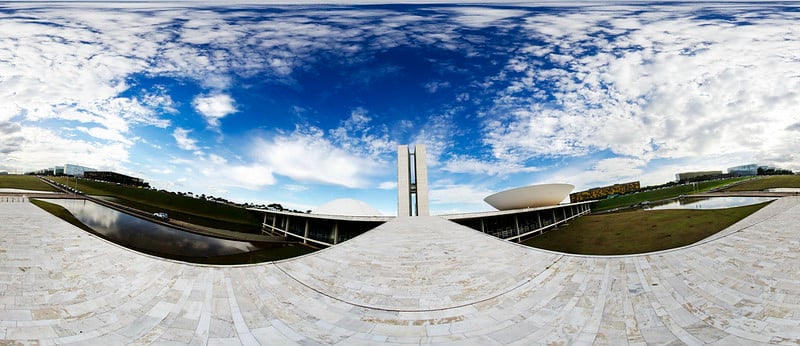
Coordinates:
[411,281]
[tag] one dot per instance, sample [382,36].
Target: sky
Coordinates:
[302,104]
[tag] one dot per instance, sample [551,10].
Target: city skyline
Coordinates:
[303,104]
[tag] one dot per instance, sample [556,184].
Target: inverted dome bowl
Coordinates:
[530,196]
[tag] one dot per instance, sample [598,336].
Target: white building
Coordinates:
[76,171]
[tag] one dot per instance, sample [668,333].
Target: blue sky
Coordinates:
[301,104]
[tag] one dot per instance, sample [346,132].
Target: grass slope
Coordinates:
[24,182]
[664,193]
[639,231]
[184,208]
[767,183]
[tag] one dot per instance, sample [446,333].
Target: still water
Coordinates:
[784,189]
[140,234]
[709,202]
[9,190]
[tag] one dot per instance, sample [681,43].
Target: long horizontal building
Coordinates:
[603,192]
[117,178]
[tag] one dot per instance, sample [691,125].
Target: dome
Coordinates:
[347,207]
[530,196]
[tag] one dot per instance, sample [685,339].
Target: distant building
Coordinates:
[603,192]
[744,170]
[116,178]
[694,176]
[76,171]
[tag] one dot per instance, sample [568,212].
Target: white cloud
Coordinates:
[443,195]
[433,87]
[295,188]
[250,176]
[469,165]
[182,139]
[214,107]
[479,17]
[388,185]
[357,135]
[41,148]
[103,133]
[307,156]
[665,86]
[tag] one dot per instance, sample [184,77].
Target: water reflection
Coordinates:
[10,190]
[784,189]
[709,202]
[150,237]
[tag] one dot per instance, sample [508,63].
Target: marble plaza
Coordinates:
[405,282]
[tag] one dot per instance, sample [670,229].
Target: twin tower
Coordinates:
[412,181]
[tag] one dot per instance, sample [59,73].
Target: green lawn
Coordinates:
[184,208]
[639,231]
[664,193]
[767,182]
[24,182]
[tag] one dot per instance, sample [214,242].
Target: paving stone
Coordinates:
[410,281]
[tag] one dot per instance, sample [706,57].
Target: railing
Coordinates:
[13,199]
[543,228]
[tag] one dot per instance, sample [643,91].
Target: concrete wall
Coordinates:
[403,181]
[421,164]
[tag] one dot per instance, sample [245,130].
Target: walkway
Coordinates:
[407,281]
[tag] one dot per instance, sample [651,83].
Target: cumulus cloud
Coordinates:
[214,107]
[661,86]
[106,134]
[443,194]
[358,134]
[470,165]
[388,185]
[433,87]
[182,139]
[40,148]
[308,156]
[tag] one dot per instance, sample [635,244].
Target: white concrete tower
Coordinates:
[412,181]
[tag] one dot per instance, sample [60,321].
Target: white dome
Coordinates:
[530,196]
[347,207]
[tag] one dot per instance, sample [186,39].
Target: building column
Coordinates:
[412,181]
[403,182]
[305,234]
[335,232]
[421,171]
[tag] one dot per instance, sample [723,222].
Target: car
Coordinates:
[162,216]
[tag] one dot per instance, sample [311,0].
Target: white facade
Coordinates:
[530,196]
[412,181]
[76,171]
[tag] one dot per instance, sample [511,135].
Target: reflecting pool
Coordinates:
[784,189]
[10,190]
[153,238]
[709,202]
